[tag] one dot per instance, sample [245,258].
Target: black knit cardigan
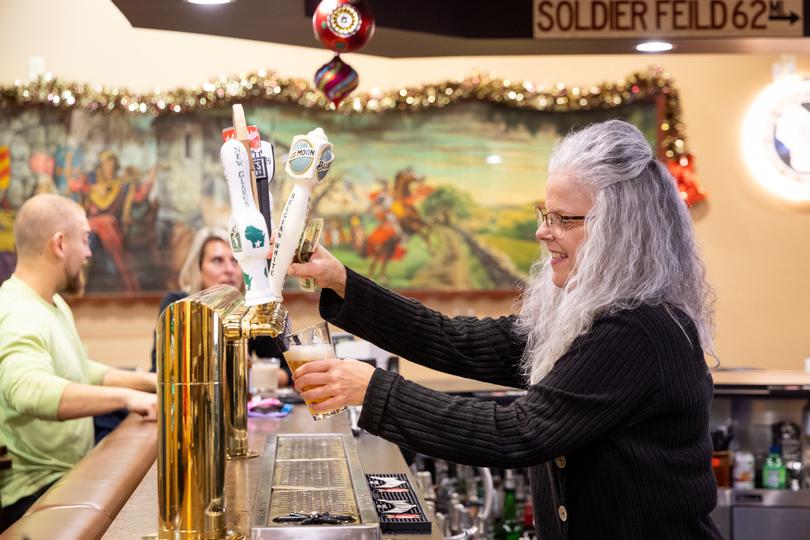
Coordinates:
[615,437]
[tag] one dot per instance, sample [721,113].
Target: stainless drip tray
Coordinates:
[313,473]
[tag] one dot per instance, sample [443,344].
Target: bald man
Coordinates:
[49,388]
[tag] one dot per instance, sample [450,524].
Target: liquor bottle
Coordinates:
[508,528]
[528,515]
[774,474]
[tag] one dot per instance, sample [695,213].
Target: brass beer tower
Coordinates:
[202,399]
[201,344]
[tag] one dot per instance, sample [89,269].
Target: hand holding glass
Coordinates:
[307,345]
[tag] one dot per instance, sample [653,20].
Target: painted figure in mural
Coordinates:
[409,189]
[357,236]
[42,166]
[105,204]
[395,210]
[139,225]
[69,177]
[383,244]
[121,212]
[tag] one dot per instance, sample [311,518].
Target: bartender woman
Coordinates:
[609,345]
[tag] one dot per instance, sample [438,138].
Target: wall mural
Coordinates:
[439,198]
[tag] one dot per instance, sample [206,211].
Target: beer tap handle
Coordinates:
[247,230]
[263,183]
[243,136]
[263,162]
[308,163]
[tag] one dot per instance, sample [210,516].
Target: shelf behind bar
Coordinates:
[751,383]
[761,383]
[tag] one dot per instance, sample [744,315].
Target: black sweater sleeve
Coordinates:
[607,379]
[482,349]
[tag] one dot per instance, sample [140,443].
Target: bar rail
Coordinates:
[84,502]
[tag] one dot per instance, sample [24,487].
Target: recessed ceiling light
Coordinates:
[654,46]
[209,2]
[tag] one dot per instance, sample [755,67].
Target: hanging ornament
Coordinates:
[343,25]
[336,79]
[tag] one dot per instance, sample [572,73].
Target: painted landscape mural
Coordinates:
[433,200]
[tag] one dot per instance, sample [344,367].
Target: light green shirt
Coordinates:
[40,354]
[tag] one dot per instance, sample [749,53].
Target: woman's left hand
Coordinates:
[336,382]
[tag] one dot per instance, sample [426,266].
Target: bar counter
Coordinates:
[84,502]
[138,517]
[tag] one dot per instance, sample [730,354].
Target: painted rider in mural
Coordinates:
[398,217]
[384,242]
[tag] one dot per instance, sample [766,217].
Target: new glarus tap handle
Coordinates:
[243,136]
[247,230]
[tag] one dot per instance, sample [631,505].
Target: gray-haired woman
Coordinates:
[609,344]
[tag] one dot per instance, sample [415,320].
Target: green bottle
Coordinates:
[508,528]
[774,473]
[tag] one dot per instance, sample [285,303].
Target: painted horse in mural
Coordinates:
[398,218]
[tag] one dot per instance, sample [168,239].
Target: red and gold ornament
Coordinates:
[343,25]
[336,79]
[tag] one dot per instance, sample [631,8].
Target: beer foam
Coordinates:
[309,353]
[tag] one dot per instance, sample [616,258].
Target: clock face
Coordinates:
[776,139]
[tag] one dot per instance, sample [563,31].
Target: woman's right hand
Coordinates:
[328,272]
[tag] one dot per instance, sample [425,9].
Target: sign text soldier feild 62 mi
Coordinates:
[667,18]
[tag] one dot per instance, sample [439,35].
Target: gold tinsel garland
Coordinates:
[270,87]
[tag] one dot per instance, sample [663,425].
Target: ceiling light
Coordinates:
[654,46]
[209,2]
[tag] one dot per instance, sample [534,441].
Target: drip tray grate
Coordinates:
[316,473]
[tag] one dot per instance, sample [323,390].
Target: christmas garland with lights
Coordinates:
[270,87]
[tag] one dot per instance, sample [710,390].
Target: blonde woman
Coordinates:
[210,262]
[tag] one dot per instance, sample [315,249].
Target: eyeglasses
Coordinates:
[557,223]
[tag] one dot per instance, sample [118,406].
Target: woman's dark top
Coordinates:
[263,346]
[615,437]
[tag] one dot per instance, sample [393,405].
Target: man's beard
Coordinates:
[75,284]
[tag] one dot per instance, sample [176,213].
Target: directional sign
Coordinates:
[597,19]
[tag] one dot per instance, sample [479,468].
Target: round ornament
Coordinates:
[336,79]
[343,25]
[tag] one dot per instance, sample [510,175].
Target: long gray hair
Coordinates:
[639,247]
